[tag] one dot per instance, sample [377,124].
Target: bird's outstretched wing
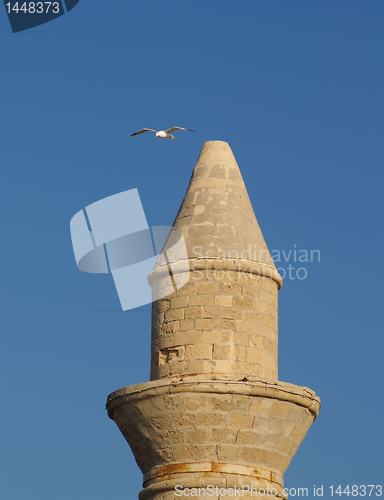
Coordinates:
[175,129]
[142,131]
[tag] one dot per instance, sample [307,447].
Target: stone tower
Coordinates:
[214,415]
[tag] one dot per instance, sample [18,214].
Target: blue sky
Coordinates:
[297,89]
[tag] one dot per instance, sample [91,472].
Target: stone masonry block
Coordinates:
[223,365]
[193,312]
[228,453]
[225,436]
[190,337]
[204,324]
[230,288]
[223,300]
[217,312]
[201,300]
[174,314]
[221,351]
[199,351]
[216,337]
[171,327]
[187,324]
[178,302]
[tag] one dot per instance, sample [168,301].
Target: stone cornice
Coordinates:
[166,472]
[216,264]
[282,391]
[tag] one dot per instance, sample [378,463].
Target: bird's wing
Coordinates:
[142,131]
[174,129]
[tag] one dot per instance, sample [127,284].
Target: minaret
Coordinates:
[214,414]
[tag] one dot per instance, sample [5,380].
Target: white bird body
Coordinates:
[163,134]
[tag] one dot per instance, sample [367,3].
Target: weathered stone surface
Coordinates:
[214,413]
[256,425]
[250,322]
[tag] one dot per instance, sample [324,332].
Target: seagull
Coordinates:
[162,134]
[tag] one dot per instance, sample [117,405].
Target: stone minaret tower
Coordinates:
[214,413]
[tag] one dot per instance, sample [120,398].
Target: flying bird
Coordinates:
[163,134]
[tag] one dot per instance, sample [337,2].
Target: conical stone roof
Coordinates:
[216,217]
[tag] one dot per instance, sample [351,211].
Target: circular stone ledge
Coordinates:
[283,391]
[216,264]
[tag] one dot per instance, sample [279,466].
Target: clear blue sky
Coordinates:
[297,89]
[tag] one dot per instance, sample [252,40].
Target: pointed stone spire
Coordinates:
[223,321]
[216,215]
